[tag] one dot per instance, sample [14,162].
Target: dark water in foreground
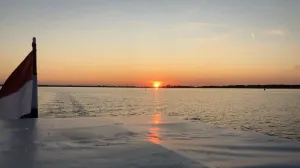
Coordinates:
[272,112]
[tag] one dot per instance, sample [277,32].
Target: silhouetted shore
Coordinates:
[256,86]
[275,86]
[272,86]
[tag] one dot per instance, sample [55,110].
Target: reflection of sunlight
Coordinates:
[153,135]
[156,118]
[153,132]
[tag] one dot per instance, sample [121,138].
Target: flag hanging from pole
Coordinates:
[18,95]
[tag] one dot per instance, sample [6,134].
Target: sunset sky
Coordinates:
[187,42]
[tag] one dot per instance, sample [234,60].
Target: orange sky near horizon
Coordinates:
[135,43]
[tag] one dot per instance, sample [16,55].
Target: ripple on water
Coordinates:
[273,112]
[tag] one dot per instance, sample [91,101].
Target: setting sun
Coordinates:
[156,84]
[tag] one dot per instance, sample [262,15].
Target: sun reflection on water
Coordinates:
[153,132]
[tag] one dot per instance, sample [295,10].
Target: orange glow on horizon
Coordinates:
[156,84]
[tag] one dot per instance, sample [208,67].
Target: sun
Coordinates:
[156,84]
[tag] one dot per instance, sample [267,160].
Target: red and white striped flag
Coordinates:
[18,95]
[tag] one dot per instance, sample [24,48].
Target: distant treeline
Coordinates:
[127,86]
[256,86]
[273,86]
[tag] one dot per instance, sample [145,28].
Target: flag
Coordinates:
[18,95]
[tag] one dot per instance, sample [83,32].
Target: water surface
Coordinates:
[273,112]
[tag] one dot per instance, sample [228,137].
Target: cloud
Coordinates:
[294,71]
[221,37]
[196,25]
[292,76]
[201,24]
[138,23]
[198,6]
[276,32]
[296,68]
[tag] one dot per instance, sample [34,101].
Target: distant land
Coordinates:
[269,86]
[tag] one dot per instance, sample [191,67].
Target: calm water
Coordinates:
[272,112]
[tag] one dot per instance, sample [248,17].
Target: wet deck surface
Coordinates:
[153,141]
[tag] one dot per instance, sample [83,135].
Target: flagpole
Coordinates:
[34,107]
[34,55]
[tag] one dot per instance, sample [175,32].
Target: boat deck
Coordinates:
[145,141]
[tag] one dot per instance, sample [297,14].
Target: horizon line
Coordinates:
[257,86]
[102,85]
